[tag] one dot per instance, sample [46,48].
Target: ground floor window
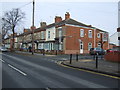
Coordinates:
[41,46]
[50,46]
[89,46]
[99,45]
[61,46]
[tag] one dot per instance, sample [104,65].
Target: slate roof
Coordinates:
[74,22]
[63,22]
[68,21]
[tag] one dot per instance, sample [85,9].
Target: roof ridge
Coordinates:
[83,23]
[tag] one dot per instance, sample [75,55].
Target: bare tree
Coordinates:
[11,19]
[5,29]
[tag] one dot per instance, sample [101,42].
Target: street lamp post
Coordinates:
[33,28]
[101,40]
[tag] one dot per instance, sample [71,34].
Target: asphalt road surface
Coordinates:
[38,71]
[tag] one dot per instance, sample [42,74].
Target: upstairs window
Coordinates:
[42,35]
[98,35]
[49,34]
[81,32]
[105,36]
[60,33]
[90,33]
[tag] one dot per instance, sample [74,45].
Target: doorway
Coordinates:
[81,47]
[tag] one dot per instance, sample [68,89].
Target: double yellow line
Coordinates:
[115,77]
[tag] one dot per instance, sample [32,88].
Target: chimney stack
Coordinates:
[15,34]
[26,30]
[43,24]
[67,15]
[33,28]
[58,19]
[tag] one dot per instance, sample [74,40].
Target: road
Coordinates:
[38,71]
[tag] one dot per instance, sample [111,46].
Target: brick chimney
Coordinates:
[89,25]
[33,28]
[26,30]
[67,15]
[43,24]
[58,19]
[15,34]
[118,29]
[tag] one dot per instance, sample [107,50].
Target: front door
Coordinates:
[81,47]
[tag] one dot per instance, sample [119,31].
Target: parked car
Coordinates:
[3,49]
[94,51]
[115,49]
[109,50]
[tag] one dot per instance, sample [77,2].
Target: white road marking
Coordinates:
[55,61]
[64,59]
[17,70]
[2,60]
[47,88]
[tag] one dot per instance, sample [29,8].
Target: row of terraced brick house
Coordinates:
[66,36]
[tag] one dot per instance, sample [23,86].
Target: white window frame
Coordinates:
[98,35]
[105,36]
[89,46]
[99,45]
[42,35]
[48,34]
[60,33]
[90,33]
[60,46]
[81,32]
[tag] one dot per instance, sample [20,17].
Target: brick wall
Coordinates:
[72,44]
[113,56]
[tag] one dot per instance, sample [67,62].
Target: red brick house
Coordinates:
[77,37]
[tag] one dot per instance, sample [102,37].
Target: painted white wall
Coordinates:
[7,45]
[114,38]
[16,39]
[52,34]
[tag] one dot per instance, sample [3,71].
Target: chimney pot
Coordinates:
[58,19]
[67,15]
[43,24]
[33,28]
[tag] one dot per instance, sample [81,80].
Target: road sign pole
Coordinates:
[96,61]
[77,57]
[70,58]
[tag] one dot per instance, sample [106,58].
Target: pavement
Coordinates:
[105,67]
[34,53]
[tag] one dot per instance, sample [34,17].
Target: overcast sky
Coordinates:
[103,15]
